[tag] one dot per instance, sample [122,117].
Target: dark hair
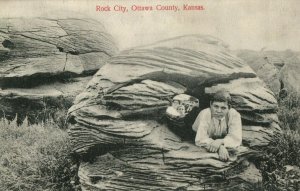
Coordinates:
[221,96]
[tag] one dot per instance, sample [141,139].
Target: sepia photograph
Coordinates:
[162,95]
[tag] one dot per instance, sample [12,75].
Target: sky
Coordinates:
[255,24]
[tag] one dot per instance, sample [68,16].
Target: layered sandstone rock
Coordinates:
[290,75]
[45,63]
[118,124]
[278,69]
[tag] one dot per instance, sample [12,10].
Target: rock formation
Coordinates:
[278,69]
[45,63]
[289,75]
[118,124]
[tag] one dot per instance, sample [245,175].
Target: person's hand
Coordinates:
[223,153]
[214,146]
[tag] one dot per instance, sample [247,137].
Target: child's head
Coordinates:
[220,104]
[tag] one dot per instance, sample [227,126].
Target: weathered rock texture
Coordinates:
[279,69]
[118,123]
[45,63]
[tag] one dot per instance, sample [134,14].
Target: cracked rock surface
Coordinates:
[119,128]
[47,62]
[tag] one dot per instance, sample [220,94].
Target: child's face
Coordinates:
[219,109]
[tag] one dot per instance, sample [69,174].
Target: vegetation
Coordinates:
[38,157]
[35,157]
[280,169]
[289,112]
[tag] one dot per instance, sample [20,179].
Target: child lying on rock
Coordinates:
[219,127]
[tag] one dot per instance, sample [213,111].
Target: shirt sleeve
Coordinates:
[202,124]
[234,136]
[196,123]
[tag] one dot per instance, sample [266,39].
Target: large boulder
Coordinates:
[278,69]
[289,75]
[119,128]
[45,63]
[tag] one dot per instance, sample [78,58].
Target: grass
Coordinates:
[280,169]
[35,157]
[38,157]
[289,112]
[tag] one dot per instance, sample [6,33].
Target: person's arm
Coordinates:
[234,136]
[202,123]
[196,123]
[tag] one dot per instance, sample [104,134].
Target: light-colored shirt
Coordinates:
[209,128]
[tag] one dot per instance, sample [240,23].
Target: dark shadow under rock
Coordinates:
[45,63]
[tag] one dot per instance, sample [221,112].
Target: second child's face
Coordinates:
[219,109]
